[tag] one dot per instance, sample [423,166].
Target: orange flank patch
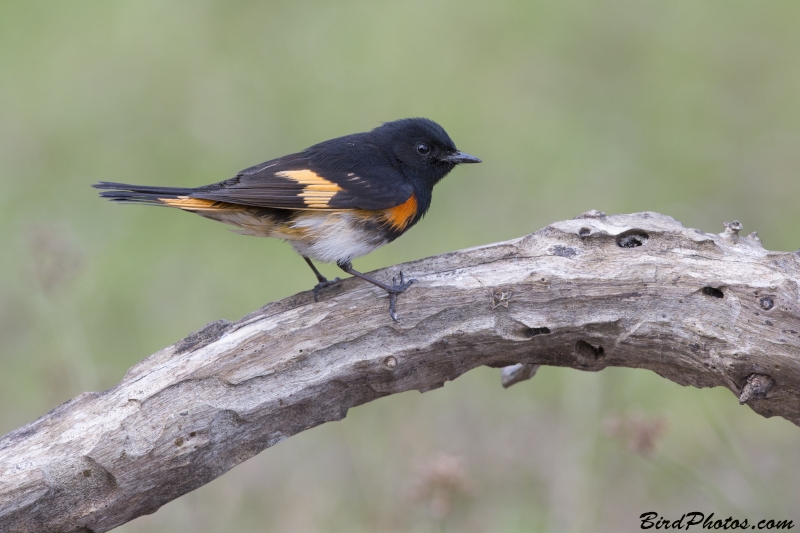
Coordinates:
[195,204]
[317,191]
[399,217]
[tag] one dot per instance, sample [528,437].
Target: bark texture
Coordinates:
[638,291]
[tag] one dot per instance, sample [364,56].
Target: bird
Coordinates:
[333,202]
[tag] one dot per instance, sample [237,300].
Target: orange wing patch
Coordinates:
[194,204]
[317,191]
[399,217]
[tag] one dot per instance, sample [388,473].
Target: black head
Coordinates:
[422,149]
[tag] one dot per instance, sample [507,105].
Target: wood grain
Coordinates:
[638,291]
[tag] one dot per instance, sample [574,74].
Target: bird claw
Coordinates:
[397,288]
[321,285]
[392,311]
[394,290]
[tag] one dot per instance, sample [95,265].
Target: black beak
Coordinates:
[460,157]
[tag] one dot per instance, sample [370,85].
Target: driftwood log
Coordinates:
[638,291]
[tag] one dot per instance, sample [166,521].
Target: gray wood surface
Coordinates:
[637,291]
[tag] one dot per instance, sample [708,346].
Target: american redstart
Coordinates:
[334,201]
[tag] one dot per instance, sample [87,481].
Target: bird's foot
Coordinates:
[323,282]
[397,288]
[394,289]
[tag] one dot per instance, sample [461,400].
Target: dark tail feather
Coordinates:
[139,194]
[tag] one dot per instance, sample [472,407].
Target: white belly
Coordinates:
[331,236]
[327,236]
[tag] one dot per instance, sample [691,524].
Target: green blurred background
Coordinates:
[690,108]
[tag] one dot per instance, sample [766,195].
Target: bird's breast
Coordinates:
[401,216]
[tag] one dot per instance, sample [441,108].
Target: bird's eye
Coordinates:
[423,149]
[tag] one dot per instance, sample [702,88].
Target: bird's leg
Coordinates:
[394,289]
[323,281]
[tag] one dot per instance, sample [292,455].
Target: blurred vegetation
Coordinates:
[686,108]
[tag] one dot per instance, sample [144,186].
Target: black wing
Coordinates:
[341,174]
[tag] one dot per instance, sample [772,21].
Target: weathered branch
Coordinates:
[637,291]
